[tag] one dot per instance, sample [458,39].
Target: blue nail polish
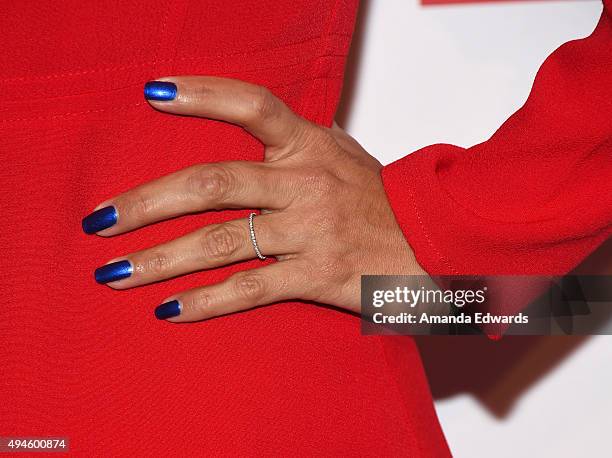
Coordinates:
[160,90]
[113,271]
[100,219]
[168,310]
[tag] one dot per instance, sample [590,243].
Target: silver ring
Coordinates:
[253,238]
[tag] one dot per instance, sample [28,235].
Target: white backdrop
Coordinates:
[426,74]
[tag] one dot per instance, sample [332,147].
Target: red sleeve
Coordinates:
[536,198]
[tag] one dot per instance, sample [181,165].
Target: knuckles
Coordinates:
[331,268]
[324,275]
[200,304]
[138,207]
[211,182]
[320,183]
[220,242]
[246,286]
[249,287]
[156,264]
[200,94]
[264,105]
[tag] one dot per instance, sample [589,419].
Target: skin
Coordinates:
[325,215]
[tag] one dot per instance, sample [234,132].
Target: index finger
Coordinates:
[250,106]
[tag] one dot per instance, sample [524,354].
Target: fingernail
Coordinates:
[113,271]
[100,219]
[168,310]
[160,90]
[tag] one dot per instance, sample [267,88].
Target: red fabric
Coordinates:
[87,362]
[536,198]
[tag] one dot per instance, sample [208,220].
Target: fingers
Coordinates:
[212,246]
[212,186]
[203,187]
[243,290]
[250,106]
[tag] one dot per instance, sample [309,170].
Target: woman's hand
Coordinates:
[325,214]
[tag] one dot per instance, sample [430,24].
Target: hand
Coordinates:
[325,215]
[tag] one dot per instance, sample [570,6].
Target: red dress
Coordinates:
[93,364]
[84,361]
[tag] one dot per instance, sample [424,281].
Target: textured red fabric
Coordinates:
[536,198]
[87,362]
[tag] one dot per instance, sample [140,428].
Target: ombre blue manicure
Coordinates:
[168,310]
[113,271]
[100,219]
[160,90]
